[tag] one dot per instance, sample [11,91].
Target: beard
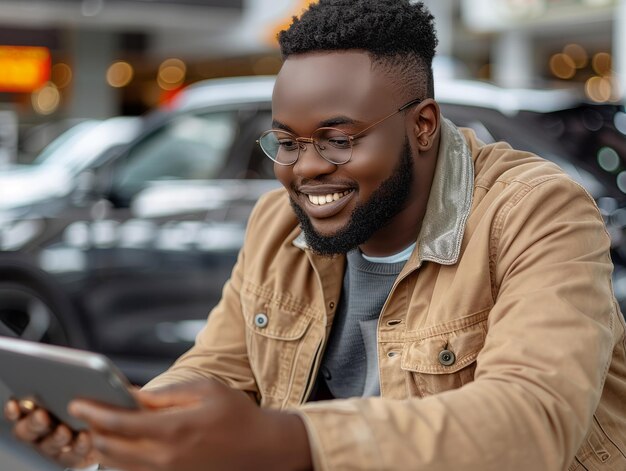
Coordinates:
[368,217]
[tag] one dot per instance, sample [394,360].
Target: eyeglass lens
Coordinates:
[284,148]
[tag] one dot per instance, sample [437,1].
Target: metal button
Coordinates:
[331,305]
[260,320]
[446,357]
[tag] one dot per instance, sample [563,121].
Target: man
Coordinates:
[413,299]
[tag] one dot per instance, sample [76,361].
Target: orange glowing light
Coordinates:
[24,68]
[286,22]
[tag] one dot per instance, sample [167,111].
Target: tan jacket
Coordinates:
[500,347]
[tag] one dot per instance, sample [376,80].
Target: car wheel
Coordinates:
[26,314]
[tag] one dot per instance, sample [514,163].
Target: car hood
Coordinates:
[24,185]
[167,199]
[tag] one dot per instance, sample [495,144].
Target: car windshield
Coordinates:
[81,145]
[54,152]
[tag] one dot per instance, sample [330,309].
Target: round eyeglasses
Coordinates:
[332,144]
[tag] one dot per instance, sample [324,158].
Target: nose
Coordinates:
[311,164]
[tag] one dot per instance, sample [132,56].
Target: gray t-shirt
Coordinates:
[349,367]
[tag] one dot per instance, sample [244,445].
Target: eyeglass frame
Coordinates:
[302,141]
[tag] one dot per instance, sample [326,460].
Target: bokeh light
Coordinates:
[120,74]
[608,159]
[592,120]
[46,100]
[599,89]
[562,66]
[621,182]
[61,74]
[620,121]
[171,74]
[602,63]
[578,54]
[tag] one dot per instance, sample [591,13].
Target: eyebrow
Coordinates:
[335,121]
[338,120]
[279,125]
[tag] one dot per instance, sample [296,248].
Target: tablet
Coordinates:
[52,376]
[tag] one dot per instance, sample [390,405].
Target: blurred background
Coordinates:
[63,60]
[128,163]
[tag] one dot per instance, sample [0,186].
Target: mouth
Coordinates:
[321,200]
[326,202]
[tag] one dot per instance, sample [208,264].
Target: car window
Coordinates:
[188,147]
[68,138]
[258,166]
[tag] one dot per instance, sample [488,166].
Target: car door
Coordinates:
[164,241]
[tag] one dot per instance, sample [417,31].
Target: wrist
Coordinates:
[290,442]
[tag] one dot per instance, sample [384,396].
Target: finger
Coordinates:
[171,396]
[34,426]
[56,442]
[181,394]
[27,406]
[126,453]
[12,410]
[78,453]
[114,420]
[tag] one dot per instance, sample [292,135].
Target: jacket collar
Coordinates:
[449,203]
[450,199]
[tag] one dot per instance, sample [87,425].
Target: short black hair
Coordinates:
[399,35]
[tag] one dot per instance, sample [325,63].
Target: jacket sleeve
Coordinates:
[539,376]
[220,350]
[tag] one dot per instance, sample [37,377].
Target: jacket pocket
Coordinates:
[274,333]
[598,452]
[443,357]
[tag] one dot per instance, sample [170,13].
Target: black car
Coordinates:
[130,260]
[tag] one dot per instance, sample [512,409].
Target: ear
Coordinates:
[425,122]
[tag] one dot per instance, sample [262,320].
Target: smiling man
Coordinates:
[412,299]
[376,200]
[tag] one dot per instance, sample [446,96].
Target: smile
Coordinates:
[321,200]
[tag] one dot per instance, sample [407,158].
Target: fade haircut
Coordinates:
[399,36]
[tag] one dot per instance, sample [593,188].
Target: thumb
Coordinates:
[175,395]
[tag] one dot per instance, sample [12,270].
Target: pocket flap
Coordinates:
[445,352]
[276,323]
[275,316]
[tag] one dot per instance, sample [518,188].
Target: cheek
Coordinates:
[284,175]
[373,165]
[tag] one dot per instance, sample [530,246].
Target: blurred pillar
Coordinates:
[8,136]
[619,46]
[92,54]
[513,63]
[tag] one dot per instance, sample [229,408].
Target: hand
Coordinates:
[198,426]
[34,426]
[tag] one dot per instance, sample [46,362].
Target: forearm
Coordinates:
[483,427]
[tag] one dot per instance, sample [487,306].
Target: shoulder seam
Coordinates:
[498,222]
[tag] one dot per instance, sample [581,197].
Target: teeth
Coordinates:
[329,198]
